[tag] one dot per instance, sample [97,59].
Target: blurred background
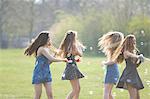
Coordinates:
[22,20]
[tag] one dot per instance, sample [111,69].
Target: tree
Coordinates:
[140,27]
[3,10]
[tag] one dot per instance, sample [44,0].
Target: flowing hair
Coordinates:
[109,42]
[39,41]
[127,45]
[69,43]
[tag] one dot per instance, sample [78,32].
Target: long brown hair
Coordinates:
[109,42]
[69,43]
[127,45]
[41,40]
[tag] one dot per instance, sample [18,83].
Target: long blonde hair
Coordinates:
[109,42]
[70,44]
[127,45]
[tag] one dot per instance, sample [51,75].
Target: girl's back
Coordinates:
[41,71]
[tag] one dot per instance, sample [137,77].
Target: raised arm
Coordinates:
[129,54]
[108,62]
[46,53]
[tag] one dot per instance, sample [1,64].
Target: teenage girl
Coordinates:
[108,43]
[130,78]
[41,73]
[69,48]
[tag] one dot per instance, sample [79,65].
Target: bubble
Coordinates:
[84,48]
[142,32]
[63,75]
[91,48]
[91,92]
[142,43]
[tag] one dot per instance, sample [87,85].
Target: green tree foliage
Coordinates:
[90,18]
[139,25]
[64,23]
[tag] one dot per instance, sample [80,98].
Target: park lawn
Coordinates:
[16,75]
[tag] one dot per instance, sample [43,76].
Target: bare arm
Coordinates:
[46,53]
[108,62]
[59,53]
[138,62]
[129,54]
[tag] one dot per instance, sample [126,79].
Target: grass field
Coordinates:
[16,75]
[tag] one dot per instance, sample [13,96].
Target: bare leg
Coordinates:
[133,92]
[107,91]
[138,96]
[48,89]
[38,91]
[75,89]
[110,96]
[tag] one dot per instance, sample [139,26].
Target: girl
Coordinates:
[108,43]
[42,74]
[130,79]
[69,48]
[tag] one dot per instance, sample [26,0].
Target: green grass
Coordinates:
[16,75]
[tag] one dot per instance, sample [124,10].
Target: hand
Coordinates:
[78,60]
[108,62]
[103,63]
[141,57]
[49,62]
[65,60]
[68,61]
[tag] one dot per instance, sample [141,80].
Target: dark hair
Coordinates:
[39,41]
